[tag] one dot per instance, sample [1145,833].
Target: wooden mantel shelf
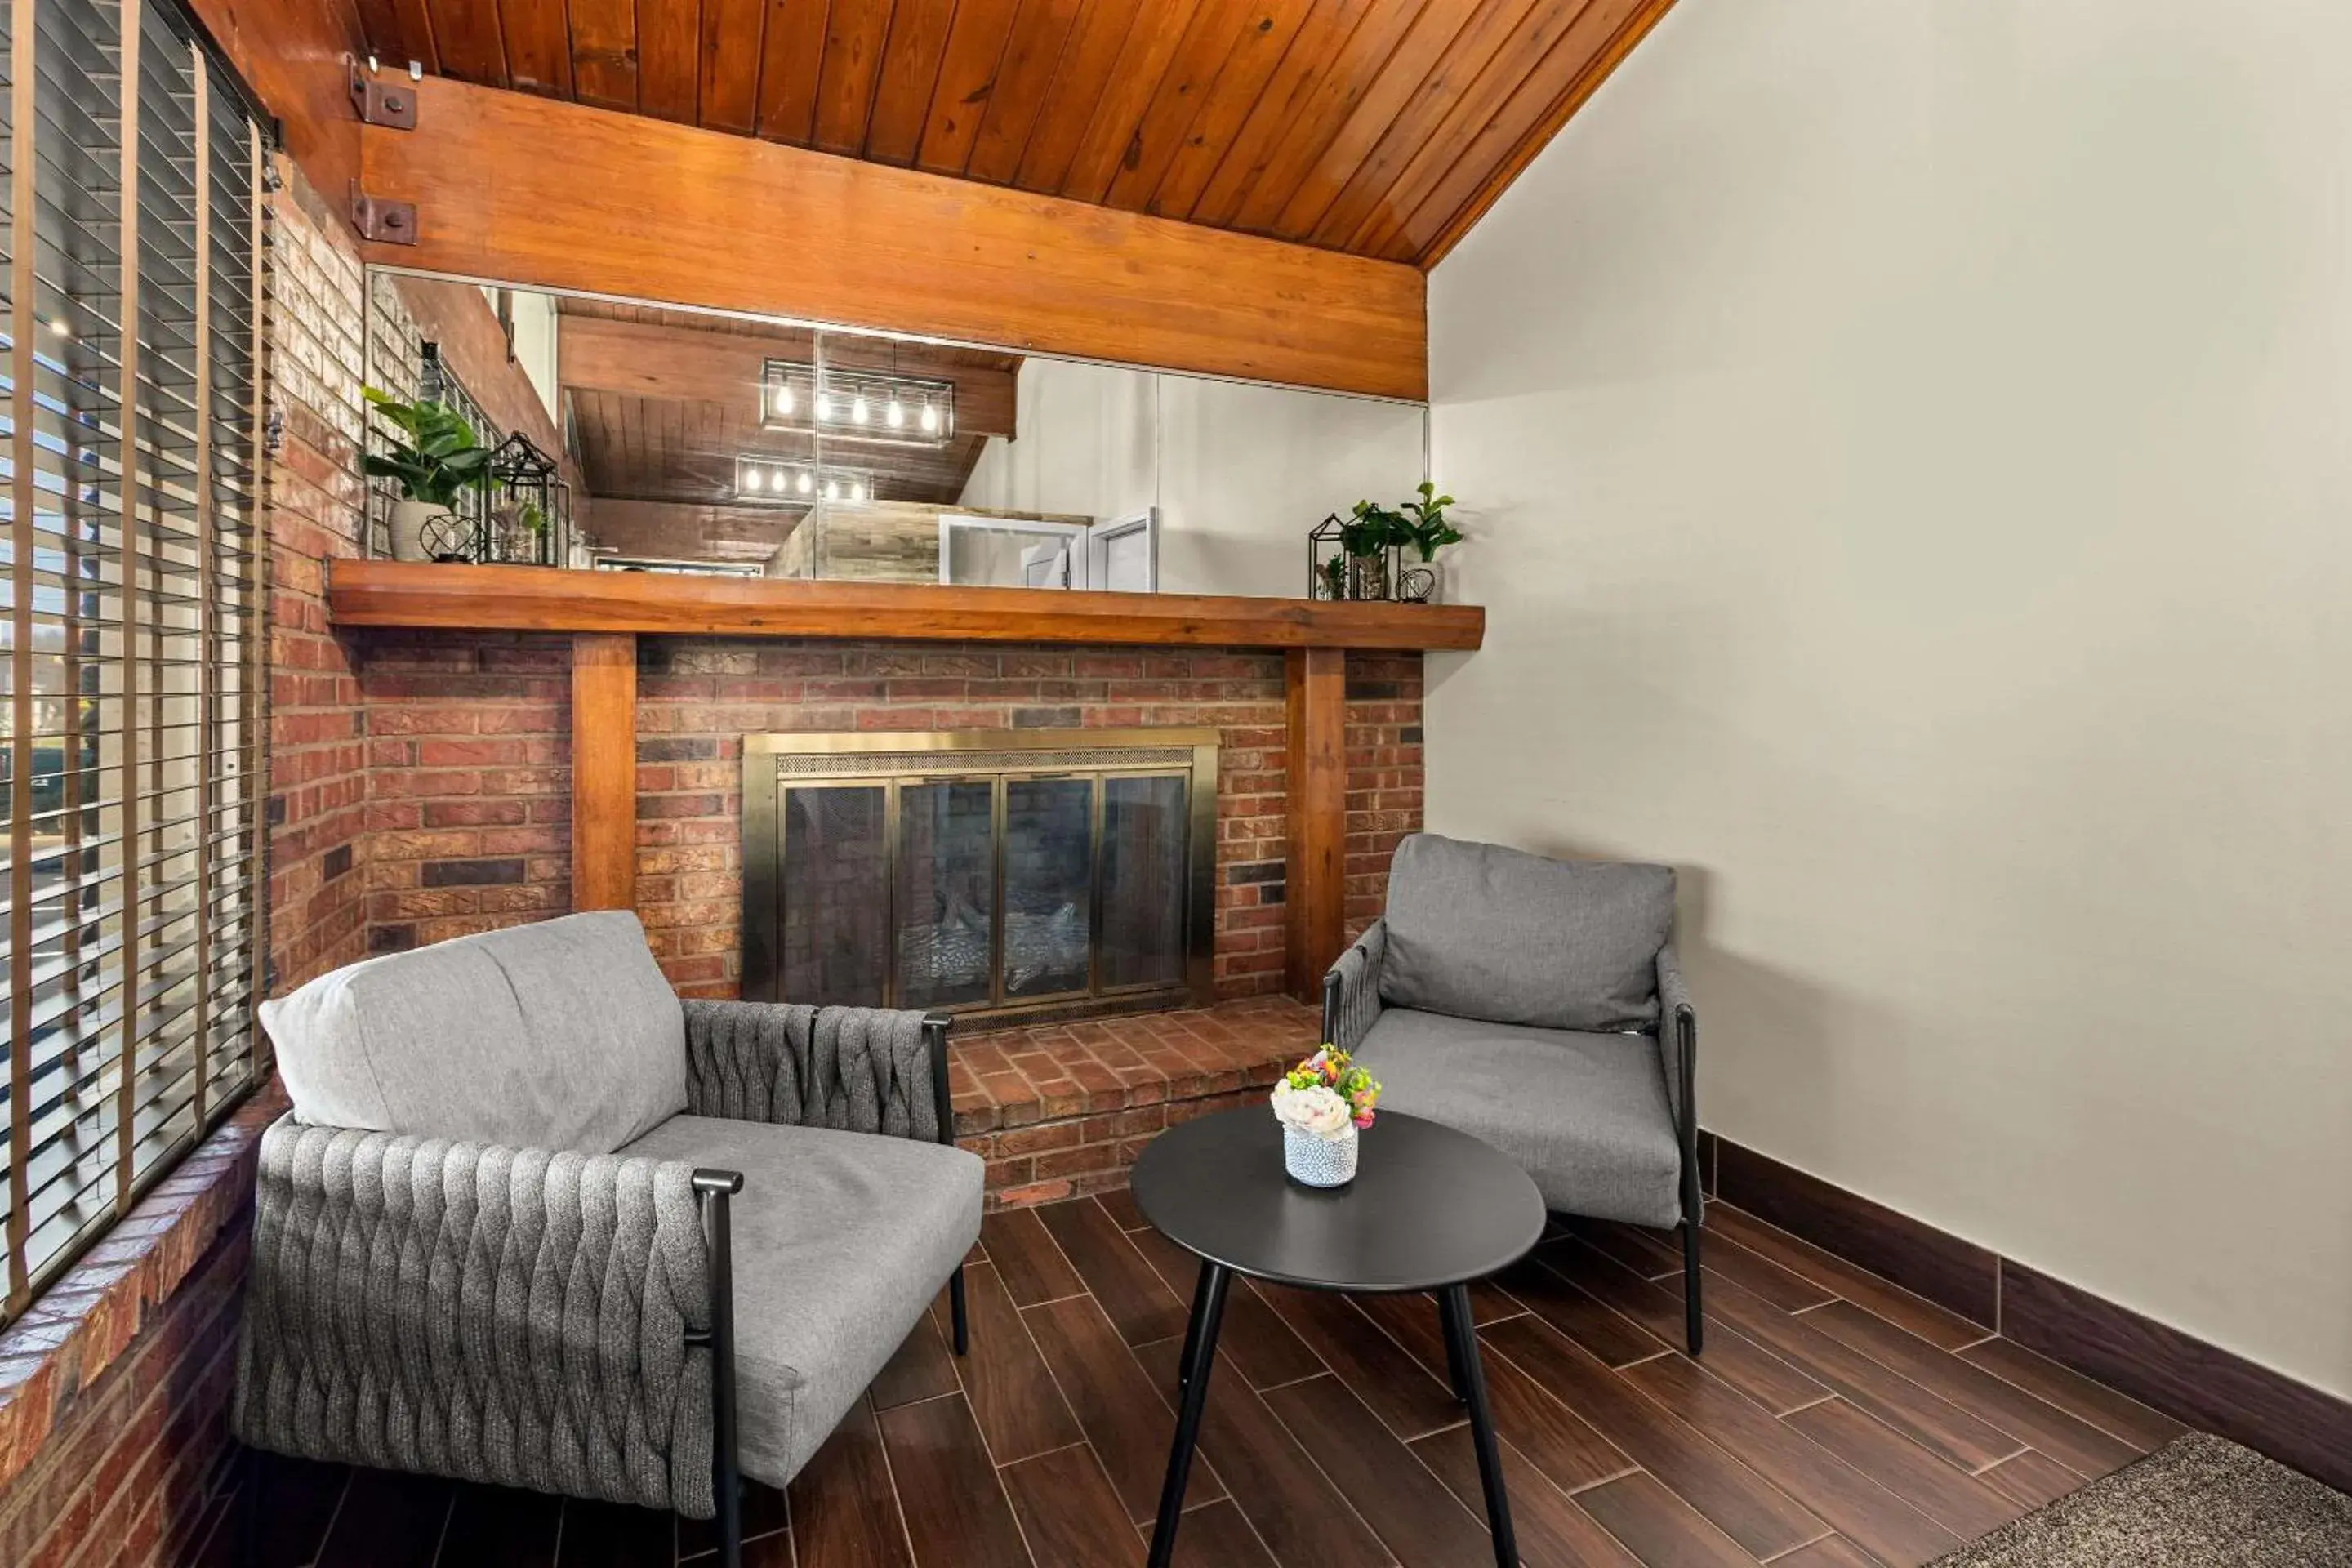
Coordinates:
[534,598]
[604,612]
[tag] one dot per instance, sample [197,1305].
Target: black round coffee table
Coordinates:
[1429,1209]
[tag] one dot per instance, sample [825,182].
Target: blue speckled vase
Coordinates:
[1319,1162]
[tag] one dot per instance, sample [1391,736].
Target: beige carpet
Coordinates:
[2196,1502]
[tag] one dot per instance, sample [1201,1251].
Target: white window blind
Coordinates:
[129,396]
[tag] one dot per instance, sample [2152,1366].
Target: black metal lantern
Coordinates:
[1327,560]
[527,507]
[1352,557]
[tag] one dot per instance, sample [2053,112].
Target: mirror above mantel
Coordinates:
[716,444]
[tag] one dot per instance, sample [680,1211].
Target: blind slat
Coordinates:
[130,382]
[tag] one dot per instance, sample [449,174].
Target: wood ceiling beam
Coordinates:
[296,55]
[686,365]
[515,188]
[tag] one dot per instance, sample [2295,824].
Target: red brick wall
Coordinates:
[317,748]
[469,748]
[118,1380]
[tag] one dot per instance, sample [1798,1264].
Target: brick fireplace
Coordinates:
[518,774]
[470,783]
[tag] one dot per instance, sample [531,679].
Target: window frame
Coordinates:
[149,577]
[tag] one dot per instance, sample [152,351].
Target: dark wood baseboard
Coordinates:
[2180,1375]
[2161,1367]
[1952,1273]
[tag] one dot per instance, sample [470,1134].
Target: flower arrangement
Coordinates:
[1322,1103]
[1326,1095]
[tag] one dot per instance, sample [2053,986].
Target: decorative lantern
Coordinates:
[528,507]
[1354,557]
[1327,560]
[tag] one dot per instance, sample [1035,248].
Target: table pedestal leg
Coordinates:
[1470,1382]
[1454,1377]
[1200,1355]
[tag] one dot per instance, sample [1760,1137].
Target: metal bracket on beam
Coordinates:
[391,104]
[395,223]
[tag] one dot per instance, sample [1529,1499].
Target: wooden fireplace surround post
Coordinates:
[605,612]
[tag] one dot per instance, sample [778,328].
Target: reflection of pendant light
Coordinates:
[857,409]
[931,417]
[783,400]
[856,491]
[751,478]
[896,414]
[806,481]
[832,489]
[823,404]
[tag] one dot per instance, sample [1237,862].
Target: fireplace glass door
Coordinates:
[1032,876]
[946,893]
[1049,874]
[835,941]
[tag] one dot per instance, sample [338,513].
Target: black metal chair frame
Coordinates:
[716,1189]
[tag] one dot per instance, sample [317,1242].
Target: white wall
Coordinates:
[1909,447]
[534,316]
[1239,472]
[1086,443]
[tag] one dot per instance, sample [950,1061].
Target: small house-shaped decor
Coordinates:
[528,507]
[1351,558]
[1327,560]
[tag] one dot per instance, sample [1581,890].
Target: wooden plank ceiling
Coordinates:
[658,405]
[1382,127]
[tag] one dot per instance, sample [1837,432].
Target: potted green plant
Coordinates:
[1368,538]
[440,459]
[1428,531]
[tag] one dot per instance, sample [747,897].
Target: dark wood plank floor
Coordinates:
[1834,1419]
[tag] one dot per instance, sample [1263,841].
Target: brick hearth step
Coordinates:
[1062,1110]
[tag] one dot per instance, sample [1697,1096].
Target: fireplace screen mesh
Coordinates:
[984,872]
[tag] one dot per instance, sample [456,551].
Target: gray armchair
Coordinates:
[1537,1004]
[533,1221]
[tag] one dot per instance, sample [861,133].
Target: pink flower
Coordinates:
[1316,1111]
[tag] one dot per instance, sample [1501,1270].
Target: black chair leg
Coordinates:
[1694,1320]
[956,1311]
[248,1509]
[716,1188]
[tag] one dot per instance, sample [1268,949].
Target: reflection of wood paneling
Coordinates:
[849,543]
[653,450]
[552,195]
[691,364]
[527,598]
[681,531]
[1383,128]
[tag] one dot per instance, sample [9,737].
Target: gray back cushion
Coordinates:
[561,1035]
[1477,931]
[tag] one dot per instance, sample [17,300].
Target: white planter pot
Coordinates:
[1319,1162]
[408,520]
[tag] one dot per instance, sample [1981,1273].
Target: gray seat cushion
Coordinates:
[561,1035]
[840,1239]
[1585,1114]
[1481,932]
